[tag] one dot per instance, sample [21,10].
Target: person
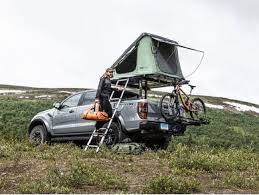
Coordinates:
[104,91]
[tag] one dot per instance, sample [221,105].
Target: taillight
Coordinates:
[143,110]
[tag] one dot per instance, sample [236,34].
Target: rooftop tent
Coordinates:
[151,57]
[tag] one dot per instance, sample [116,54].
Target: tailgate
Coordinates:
[154,111]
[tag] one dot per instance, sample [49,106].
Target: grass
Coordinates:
[15,116]
[226,130]
[173,185]
[67,181]
[222,157]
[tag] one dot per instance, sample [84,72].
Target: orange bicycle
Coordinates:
[175,105]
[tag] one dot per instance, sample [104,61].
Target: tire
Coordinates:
[38,135]
[163,145]
[198,109]
[168,100]
[113,136]
[179,129]
[157,144]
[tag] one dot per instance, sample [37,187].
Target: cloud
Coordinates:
[70,43]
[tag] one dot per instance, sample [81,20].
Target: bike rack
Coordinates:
[190,121]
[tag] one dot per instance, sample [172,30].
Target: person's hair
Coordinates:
[107,70]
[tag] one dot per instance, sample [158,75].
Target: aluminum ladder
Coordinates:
[96,132]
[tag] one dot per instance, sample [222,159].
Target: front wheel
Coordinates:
[198,109]
[38,135]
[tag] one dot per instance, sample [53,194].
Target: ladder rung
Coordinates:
[121,80]
[113,99]
[98,134]
[93,146]
[103,128]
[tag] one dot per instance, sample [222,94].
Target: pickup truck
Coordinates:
[138,119]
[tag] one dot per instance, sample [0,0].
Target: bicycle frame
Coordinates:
[185,99]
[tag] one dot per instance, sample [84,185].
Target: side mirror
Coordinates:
[57,105]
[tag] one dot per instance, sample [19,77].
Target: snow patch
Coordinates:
[15,91]
[242,107]
[70,92]
[43,96]
[23,97]
[214,106]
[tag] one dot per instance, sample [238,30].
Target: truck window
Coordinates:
[89,98]
[72,101]
[128,95]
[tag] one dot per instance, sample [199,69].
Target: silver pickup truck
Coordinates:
[137,118]
[151,61]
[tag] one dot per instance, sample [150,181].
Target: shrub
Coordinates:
[213,160]
[242,181]
[172,184]
[78,176]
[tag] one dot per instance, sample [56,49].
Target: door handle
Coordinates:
[71,111]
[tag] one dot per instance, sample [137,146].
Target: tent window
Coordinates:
[167,57]
[128,64]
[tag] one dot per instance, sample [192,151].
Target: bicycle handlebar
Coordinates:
[183,82]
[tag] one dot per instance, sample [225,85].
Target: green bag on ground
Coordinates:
[128,148]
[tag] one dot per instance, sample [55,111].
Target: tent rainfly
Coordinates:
[151,58]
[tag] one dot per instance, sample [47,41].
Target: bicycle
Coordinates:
[171,108]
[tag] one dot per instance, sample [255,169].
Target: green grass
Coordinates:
[15,116]
[67,181]
[226,130]
[172,185]
[216,158]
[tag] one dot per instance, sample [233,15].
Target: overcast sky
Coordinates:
[65,43]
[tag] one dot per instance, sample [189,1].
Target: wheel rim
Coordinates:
[110,137]
[198,110]
[36,137]
[168,108]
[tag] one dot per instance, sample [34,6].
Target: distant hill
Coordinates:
[24,92]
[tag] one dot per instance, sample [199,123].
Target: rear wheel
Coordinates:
[198,109]
[168,106]
[161,143]
[38,135]
[113,135]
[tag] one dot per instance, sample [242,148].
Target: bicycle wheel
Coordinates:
[168,106]
[198,109]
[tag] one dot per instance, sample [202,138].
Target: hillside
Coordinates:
[222,157]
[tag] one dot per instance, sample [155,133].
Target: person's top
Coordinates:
[104,88]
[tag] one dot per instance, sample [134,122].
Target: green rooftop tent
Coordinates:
[152,58]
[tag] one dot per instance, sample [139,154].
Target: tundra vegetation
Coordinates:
[222,157]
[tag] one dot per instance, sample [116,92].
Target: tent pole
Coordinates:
[140,88]
[145,88]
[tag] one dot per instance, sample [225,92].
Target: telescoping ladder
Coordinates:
[105,130]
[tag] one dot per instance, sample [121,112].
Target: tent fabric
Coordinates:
[150,55]
[167,59]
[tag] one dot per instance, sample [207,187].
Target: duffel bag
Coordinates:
[94,114]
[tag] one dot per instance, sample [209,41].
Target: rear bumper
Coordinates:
[152,126]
